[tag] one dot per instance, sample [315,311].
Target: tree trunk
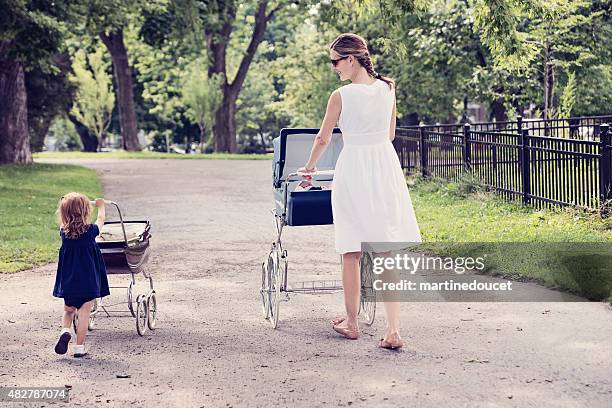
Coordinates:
[224,128]
[202,135]
[225,125]
[125,88]
[499,113]
[88,139]
[14,135]
[39,128]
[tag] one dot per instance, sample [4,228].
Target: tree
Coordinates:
[94,99]
[14,135]
[216,21]
[159,68]
[50,94]
[201,96]
[218,37]
[29,36]
[108,19]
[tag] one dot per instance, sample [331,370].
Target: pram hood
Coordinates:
[292,150]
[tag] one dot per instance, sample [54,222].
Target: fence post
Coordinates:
[524,163]
[605,168]
[423,150]
[467,147]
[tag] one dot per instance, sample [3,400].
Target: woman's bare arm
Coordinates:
[334,106]
[393,120]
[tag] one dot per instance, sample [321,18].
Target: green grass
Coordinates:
[450,214]
[122,154]
[29,196]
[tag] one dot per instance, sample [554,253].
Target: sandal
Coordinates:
[347,332]
[391,345]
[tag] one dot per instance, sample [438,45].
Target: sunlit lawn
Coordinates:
[28,199]
[447,215]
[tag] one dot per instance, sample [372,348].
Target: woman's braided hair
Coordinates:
[352,44]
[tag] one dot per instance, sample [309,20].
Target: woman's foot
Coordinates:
[350,332]
[392,341]
[338,320]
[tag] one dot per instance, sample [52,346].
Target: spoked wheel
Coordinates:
[263,291]
[152,314]
[142,313]
[130,299]
[274,285]
[368,297]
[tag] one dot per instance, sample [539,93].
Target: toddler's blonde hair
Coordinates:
[73,212]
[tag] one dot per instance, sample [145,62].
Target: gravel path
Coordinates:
[211,230]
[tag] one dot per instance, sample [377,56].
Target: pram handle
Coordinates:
[109,202]
[312,174]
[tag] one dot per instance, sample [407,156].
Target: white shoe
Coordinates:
[79,350]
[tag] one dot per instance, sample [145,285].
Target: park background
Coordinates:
[95,93]
[218,80]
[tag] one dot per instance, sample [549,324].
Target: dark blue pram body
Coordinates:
[291,151]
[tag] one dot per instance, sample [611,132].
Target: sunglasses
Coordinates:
[335,62]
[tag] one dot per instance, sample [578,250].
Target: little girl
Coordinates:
[81,273]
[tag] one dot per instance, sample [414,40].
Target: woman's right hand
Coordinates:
[99,202]
[306,170]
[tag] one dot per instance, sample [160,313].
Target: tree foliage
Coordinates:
[201,96]
[94,98]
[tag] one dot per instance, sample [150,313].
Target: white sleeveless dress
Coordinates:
[370,199]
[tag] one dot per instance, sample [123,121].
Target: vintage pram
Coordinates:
[297,207]
[125,249]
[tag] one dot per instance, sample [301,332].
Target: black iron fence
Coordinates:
[565,162]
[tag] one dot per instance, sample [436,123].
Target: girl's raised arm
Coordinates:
[101,213]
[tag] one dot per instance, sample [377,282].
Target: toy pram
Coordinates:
[300,207]
[125,250]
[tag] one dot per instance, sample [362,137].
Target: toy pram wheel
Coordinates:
[274,285]
[141,315]
[75,321]
[92,323]
[130,300]
[152,315]
[263,291]
[368,297]
[92,316]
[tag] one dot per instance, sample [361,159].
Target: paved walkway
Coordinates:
[211,230]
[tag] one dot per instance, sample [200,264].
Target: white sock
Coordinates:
[65,330]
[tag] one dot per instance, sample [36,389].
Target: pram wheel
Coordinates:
[142,313]
[367,299]
[90,325]
[274,285]
[263,291]
[152,315]
[92,317]
[130,299]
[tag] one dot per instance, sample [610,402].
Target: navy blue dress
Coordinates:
[81,273]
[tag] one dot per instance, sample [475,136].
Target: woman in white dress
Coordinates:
[370,199]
